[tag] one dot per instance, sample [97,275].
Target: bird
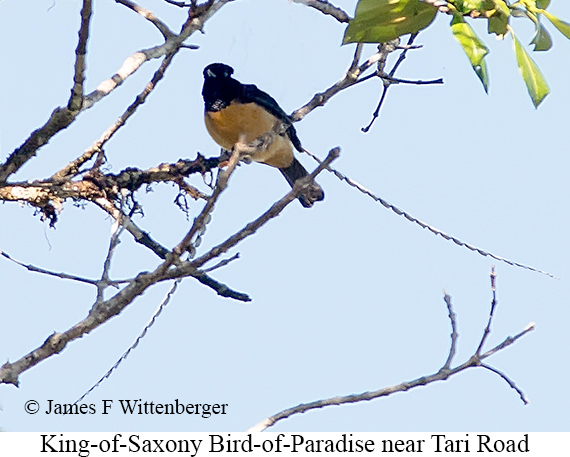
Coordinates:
[235,112]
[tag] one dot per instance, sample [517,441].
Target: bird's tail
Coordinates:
[313,193]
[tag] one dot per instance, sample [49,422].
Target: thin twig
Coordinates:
[454,334]
[409,45]
[138,234]
[220,288]
[386,85]
[487,330]
[350,78]
[179,4]
[148,15]
[116,231]
[76,98]
[222,263]
[417,82]
[508,380]
[508,341]
[356,58]
[325,7]
[33,268]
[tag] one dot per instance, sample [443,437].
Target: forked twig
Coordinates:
[444,373]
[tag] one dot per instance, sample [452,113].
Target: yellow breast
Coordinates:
[250,121]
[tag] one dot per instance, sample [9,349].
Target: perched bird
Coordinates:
[236,111]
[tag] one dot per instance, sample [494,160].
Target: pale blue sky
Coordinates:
[347,297]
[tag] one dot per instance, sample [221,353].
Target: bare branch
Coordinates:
[171,46]
[443,374]
[508,380]
[148,15]
[487,330]
[508,341]
[350,78]
[72,168]
[417,82]
[33,268]
[117,229]
[386,85]
[138,234]
[76,98]
[222,263]
[221,289]
[60,119]
[145,239]
[327,8]
[454,334]
[179,4]
[103,189]
[356,58]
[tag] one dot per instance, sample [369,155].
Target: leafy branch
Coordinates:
[379,21]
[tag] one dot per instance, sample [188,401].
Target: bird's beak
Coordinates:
[210,73]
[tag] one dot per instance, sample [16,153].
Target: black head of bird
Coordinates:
[218,70]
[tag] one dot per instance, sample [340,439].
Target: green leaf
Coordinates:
[498,14]
[541,40]
[498,23]
[481,71]
[542,3]
[473,47]
[502,7]
[471,43]
[535,82]
[562,26]
[489,7]
[466,6]
[378,21]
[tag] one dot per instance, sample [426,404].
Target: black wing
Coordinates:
[250,93]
